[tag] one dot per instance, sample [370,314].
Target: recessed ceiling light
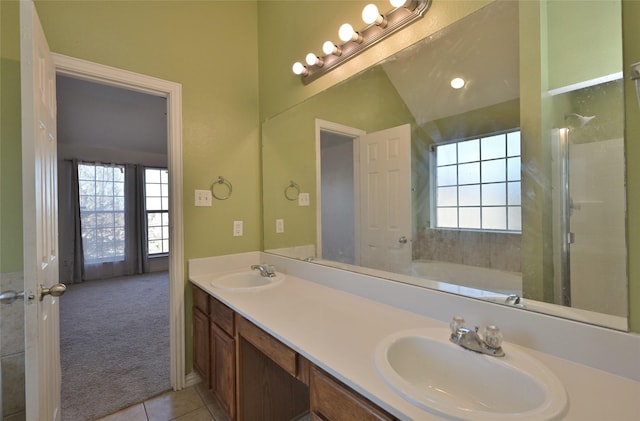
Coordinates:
[457,83]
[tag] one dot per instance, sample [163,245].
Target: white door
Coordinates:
[40,227]
[385,199]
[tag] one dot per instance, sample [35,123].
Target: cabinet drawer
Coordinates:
[330,400]
[200,300]
[221,315]
[281,354]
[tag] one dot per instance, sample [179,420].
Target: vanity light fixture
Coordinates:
[299,69]
[329,48]
[403,3]
[346,33]
[371,15]
[314,60]
[379,26]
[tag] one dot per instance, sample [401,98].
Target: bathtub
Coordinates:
[492,280]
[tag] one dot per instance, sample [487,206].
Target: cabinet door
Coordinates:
[223,369]
[201,345]
[332,401]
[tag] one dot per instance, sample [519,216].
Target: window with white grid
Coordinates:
[156,187]
[477,184]
[101,190]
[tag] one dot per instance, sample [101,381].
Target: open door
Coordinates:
[385,198]
[40,220]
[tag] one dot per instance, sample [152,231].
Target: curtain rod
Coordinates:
[84,161]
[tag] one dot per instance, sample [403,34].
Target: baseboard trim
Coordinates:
[192,379]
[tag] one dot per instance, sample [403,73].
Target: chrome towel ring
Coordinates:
[227,183]
[292,191]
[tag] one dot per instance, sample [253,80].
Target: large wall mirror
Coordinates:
[509,188]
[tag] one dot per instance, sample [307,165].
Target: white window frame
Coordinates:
[113,257]
[434,188]
[164,210]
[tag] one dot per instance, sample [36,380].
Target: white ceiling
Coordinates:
[106,117]
[483,49]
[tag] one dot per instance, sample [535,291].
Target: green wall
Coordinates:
[581,51]
[291,29]
[370,103]
[210,48]
[10,146]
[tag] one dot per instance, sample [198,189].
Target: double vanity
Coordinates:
[314,340]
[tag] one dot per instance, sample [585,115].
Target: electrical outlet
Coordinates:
[303,199]
[279,226]
[203,198]
[237,229]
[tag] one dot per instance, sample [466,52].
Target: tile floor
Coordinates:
[190,404]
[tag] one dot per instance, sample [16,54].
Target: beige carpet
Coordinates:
[114,344]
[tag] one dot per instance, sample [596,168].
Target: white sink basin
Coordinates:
[423,367]
[249,280]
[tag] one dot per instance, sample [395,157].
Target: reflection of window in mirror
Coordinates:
[478,183]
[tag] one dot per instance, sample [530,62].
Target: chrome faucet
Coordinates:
[265,270]
[469,339]
[513,299]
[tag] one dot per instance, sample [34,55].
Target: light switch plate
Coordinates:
[279,226]
[303,199]
[203,198]
[237,228]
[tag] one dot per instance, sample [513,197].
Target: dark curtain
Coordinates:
[70,253]
[73,269]
[136,260]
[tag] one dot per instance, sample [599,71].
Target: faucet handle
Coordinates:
[456,323]
[493,337]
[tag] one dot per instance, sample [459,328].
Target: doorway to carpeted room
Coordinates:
[114,344]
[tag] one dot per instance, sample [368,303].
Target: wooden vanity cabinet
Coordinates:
[222,356]
[333,401]
[214,349]
[272,378]
[201,335]
[254,376]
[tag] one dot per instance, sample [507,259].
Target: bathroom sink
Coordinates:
[248,280]
[424,368]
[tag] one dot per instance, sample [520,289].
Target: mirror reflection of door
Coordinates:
[385,197]
[365,196]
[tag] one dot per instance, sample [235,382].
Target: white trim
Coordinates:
[585,84]
[328,126]
[172,91]
[192,379]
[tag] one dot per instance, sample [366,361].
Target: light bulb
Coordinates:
[397,3]
[330,48]
[457,83]
[370,14]
[312,60]
[299,69]
[347,33]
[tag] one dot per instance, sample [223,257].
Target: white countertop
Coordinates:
[339,331]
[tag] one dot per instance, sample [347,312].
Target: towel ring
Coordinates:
[292,191]
[221,180]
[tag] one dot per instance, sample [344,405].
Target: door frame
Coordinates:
[355,133]
[172,91]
